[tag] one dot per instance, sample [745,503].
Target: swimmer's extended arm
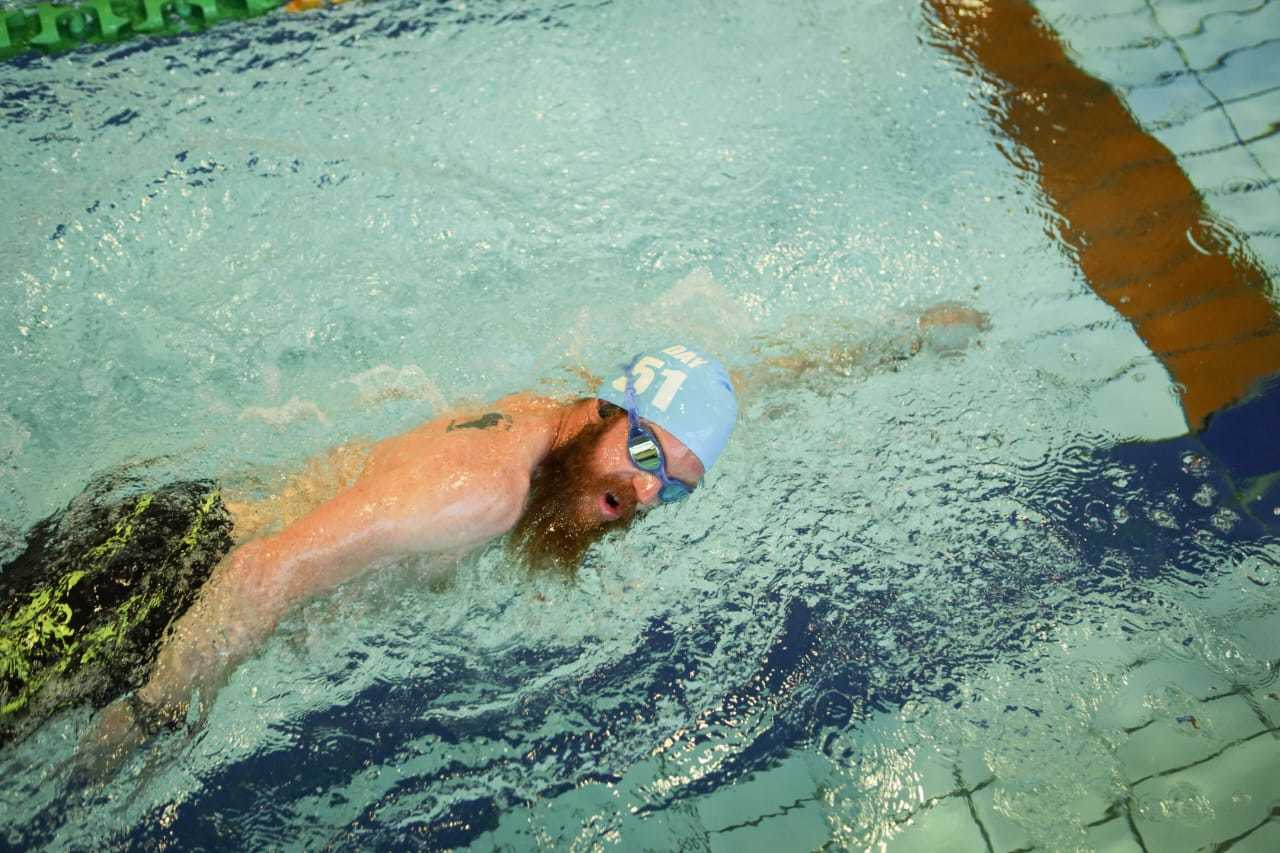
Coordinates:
[843,358]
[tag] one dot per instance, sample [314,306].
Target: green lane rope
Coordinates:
[50,28]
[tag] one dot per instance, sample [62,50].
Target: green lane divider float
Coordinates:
[49,28]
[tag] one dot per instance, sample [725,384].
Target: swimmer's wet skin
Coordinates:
[555,475]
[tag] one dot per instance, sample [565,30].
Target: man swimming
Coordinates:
[555,475]
[137,593]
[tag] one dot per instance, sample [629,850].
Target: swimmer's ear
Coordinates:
[606,410]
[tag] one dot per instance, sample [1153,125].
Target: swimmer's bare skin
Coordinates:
[445,487]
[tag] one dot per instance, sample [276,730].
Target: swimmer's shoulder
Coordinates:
[458,434]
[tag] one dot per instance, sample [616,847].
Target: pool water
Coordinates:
[939,597]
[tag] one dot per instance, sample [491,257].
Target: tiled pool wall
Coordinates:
[1169,753]
[1204,79]
[1177,748]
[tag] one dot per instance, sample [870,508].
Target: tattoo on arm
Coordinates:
[492,419]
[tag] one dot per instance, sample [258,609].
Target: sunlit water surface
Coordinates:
[238,248]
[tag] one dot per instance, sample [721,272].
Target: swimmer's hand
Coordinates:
[948,328]
[953,314]
[205,643]
[115,733]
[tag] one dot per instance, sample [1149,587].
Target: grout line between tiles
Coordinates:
[1177,46]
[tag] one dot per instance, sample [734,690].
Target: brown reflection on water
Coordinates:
[1125,210]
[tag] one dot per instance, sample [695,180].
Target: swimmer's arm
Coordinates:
[414,510]
[843,357]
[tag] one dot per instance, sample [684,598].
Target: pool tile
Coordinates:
[1240,647]
[1264,839]
[1220,170]
[1181,19]
[1254,117]
[1111,34]
[766,792]
[973,768]
[1114,836]
[946,826]
[800,828]
[1211,802]
[1241,590]
[1159,688]
[1266,248]
[1176,103]
[1086,355]
[1243,72]
[676,827]
[933,775]
[1074,13]
[1057,314]
[1139,403]
[1268,705]
[1132,66]
[1221,33]
[1168,742]
[1249,211]
[910,770]
[1268,153]
[583,813]
[1003,832]
[1255,639]
[1208,130]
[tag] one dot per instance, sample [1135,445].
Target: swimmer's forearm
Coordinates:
[223,628]
[429,509]
[238,610]
[843,359]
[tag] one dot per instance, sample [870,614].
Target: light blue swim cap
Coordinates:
[686,392]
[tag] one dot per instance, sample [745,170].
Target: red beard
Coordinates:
[562,518]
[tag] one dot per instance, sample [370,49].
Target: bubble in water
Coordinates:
[1225,656]
[1167,699]
[1260,572]
[1120,514]
[1039,811]
[1183,802]
[1224,519]
[1096,515]
[1204,495]
[1195,464]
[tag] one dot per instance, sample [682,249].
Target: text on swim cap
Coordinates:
[643,371]
[689,357]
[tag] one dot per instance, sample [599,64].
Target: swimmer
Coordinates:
[556,476]
[553,475]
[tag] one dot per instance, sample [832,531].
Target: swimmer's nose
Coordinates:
[647,487]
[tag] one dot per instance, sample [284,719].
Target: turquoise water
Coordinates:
[232,250]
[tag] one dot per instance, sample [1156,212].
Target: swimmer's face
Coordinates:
[589,487]
[611,463]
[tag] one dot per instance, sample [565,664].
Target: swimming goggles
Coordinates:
[646,452]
